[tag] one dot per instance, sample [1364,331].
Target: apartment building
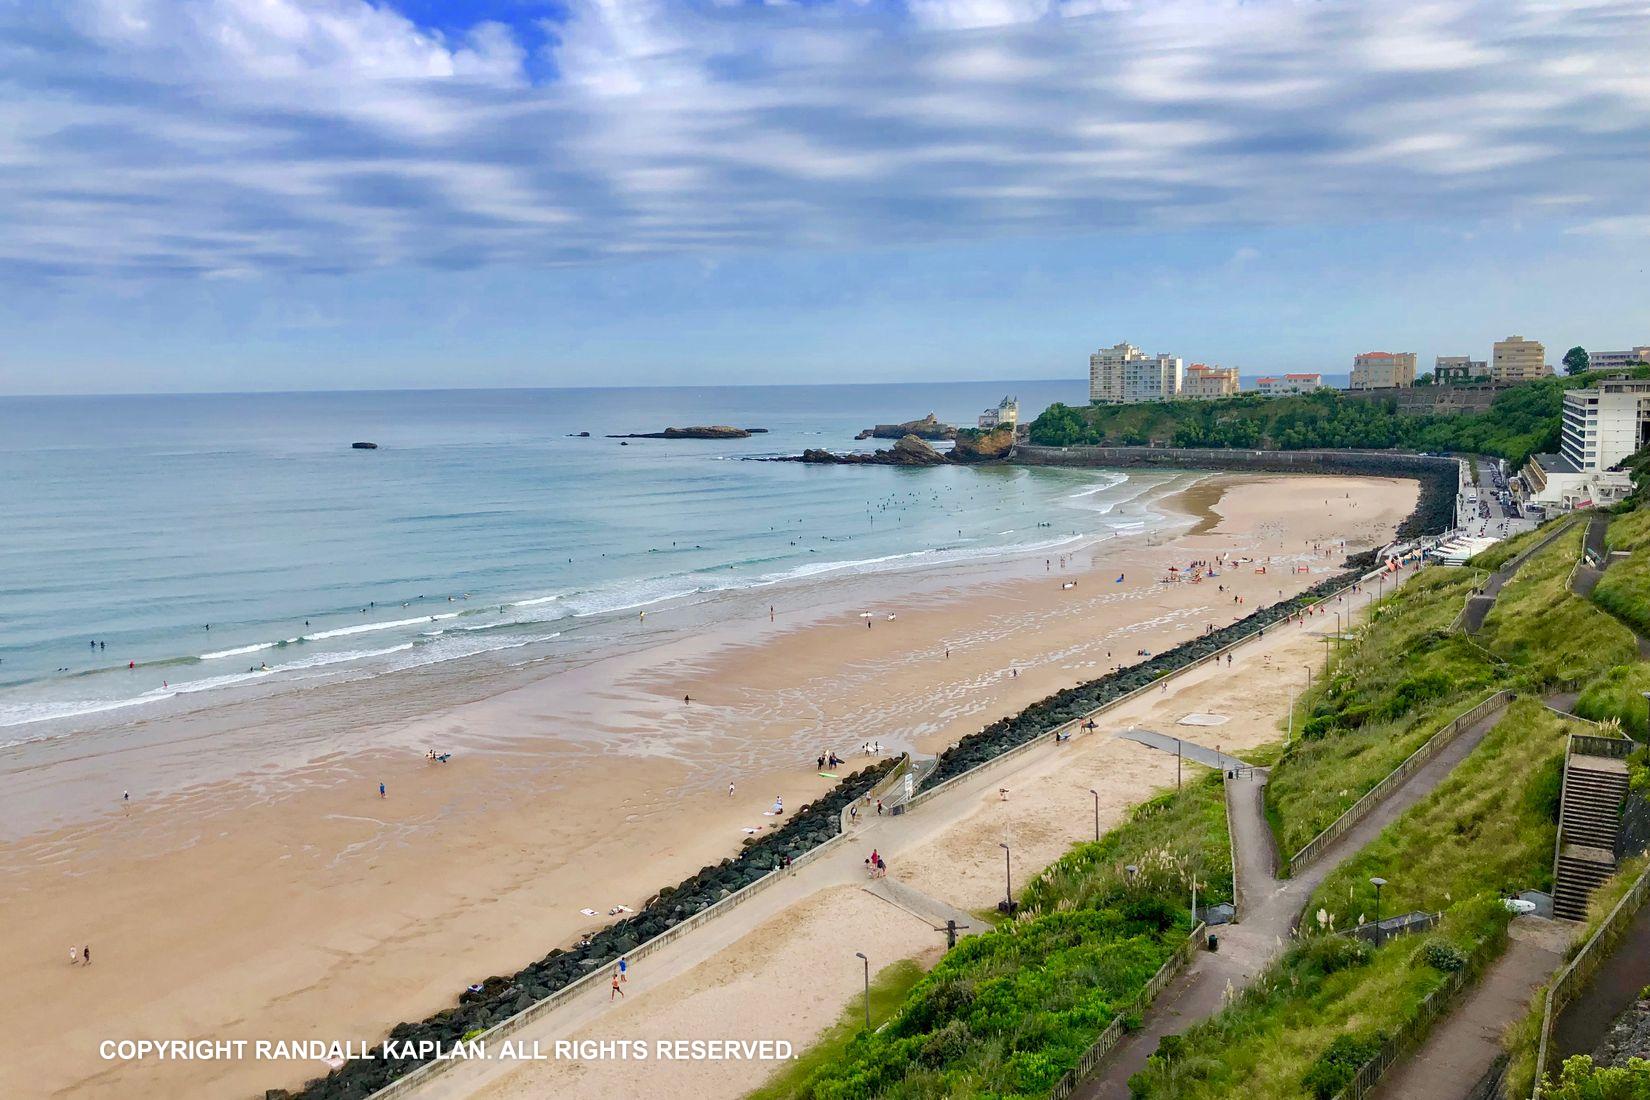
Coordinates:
[1616,360]
[1454,370]
[1383,370]
[1516,359]
[1203,382]
[1279,385]
[1603,425]
[1123,374]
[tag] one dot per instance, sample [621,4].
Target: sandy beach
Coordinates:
[291,901]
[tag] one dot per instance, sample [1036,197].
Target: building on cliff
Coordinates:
[1202,382]
[1283,385]
[1006,414]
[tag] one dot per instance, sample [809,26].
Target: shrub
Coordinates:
[1338,1064]
[1442,955]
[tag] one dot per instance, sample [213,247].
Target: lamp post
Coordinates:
[1378,882]
[1008,878]
[1096,795]
[860,955]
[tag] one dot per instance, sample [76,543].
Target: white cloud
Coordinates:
[231,137]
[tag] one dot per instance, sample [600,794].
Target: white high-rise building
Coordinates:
[1604,425]
[1123,374]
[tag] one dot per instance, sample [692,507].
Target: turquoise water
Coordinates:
[216,541]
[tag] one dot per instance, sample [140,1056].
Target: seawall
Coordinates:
[1438,476]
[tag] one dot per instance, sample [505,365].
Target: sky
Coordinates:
[221,195]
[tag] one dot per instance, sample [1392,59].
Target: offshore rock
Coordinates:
[926,428]
[713,431]
[909,451]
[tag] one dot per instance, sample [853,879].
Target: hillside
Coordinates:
[1523,421]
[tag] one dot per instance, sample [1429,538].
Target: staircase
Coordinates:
[1589,825]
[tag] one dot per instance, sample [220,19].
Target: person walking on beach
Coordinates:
[381,790]
[616,990]
[86,955]
[74,956]
[730,790]
[624,967]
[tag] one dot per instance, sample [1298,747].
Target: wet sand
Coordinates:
[293,902]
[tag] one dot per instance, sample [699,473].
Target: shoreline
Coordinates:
[500,841]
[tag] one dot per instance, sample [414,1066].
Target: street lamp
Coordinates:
[860,955]
[1096,795]
[1008,878]
[1378,882]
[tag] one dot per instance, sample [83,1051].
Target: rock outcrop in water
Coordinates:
[926,428]
[971,446]
[712,431]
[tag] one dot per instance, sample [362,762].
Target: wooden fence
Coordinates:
[1414,1030]
[1108,1039]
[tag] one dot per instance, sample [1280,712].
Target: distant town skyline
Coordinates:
[238,195]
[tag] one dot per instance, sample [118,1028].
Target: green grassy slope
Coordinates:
[1008,1013]
[1316,1014]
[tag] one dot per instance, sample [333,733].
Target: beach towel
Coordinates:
[590,912]
[748,829]
[828,775]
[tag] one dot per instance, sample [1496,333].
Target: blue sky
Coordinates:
[273,194]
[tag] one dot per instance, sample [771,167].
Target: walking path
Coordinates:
[1198,754]
[1478,606]
[1271,908]
[928,849]
[1461,1048]
[1586,576]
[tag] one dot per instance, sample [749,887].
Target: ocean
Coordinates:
[161,548]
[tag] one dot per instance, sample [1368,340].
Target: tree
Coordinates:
[1575,360]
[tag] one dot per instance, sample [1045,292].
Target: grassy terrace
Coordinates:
[1552,638]
[1624,590]
[1389,690]
[1325,1007]
[1008,1013]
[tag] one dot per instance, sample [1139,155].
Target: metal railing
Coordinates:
[1102,1046]
[1574,977]
[1452,729]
